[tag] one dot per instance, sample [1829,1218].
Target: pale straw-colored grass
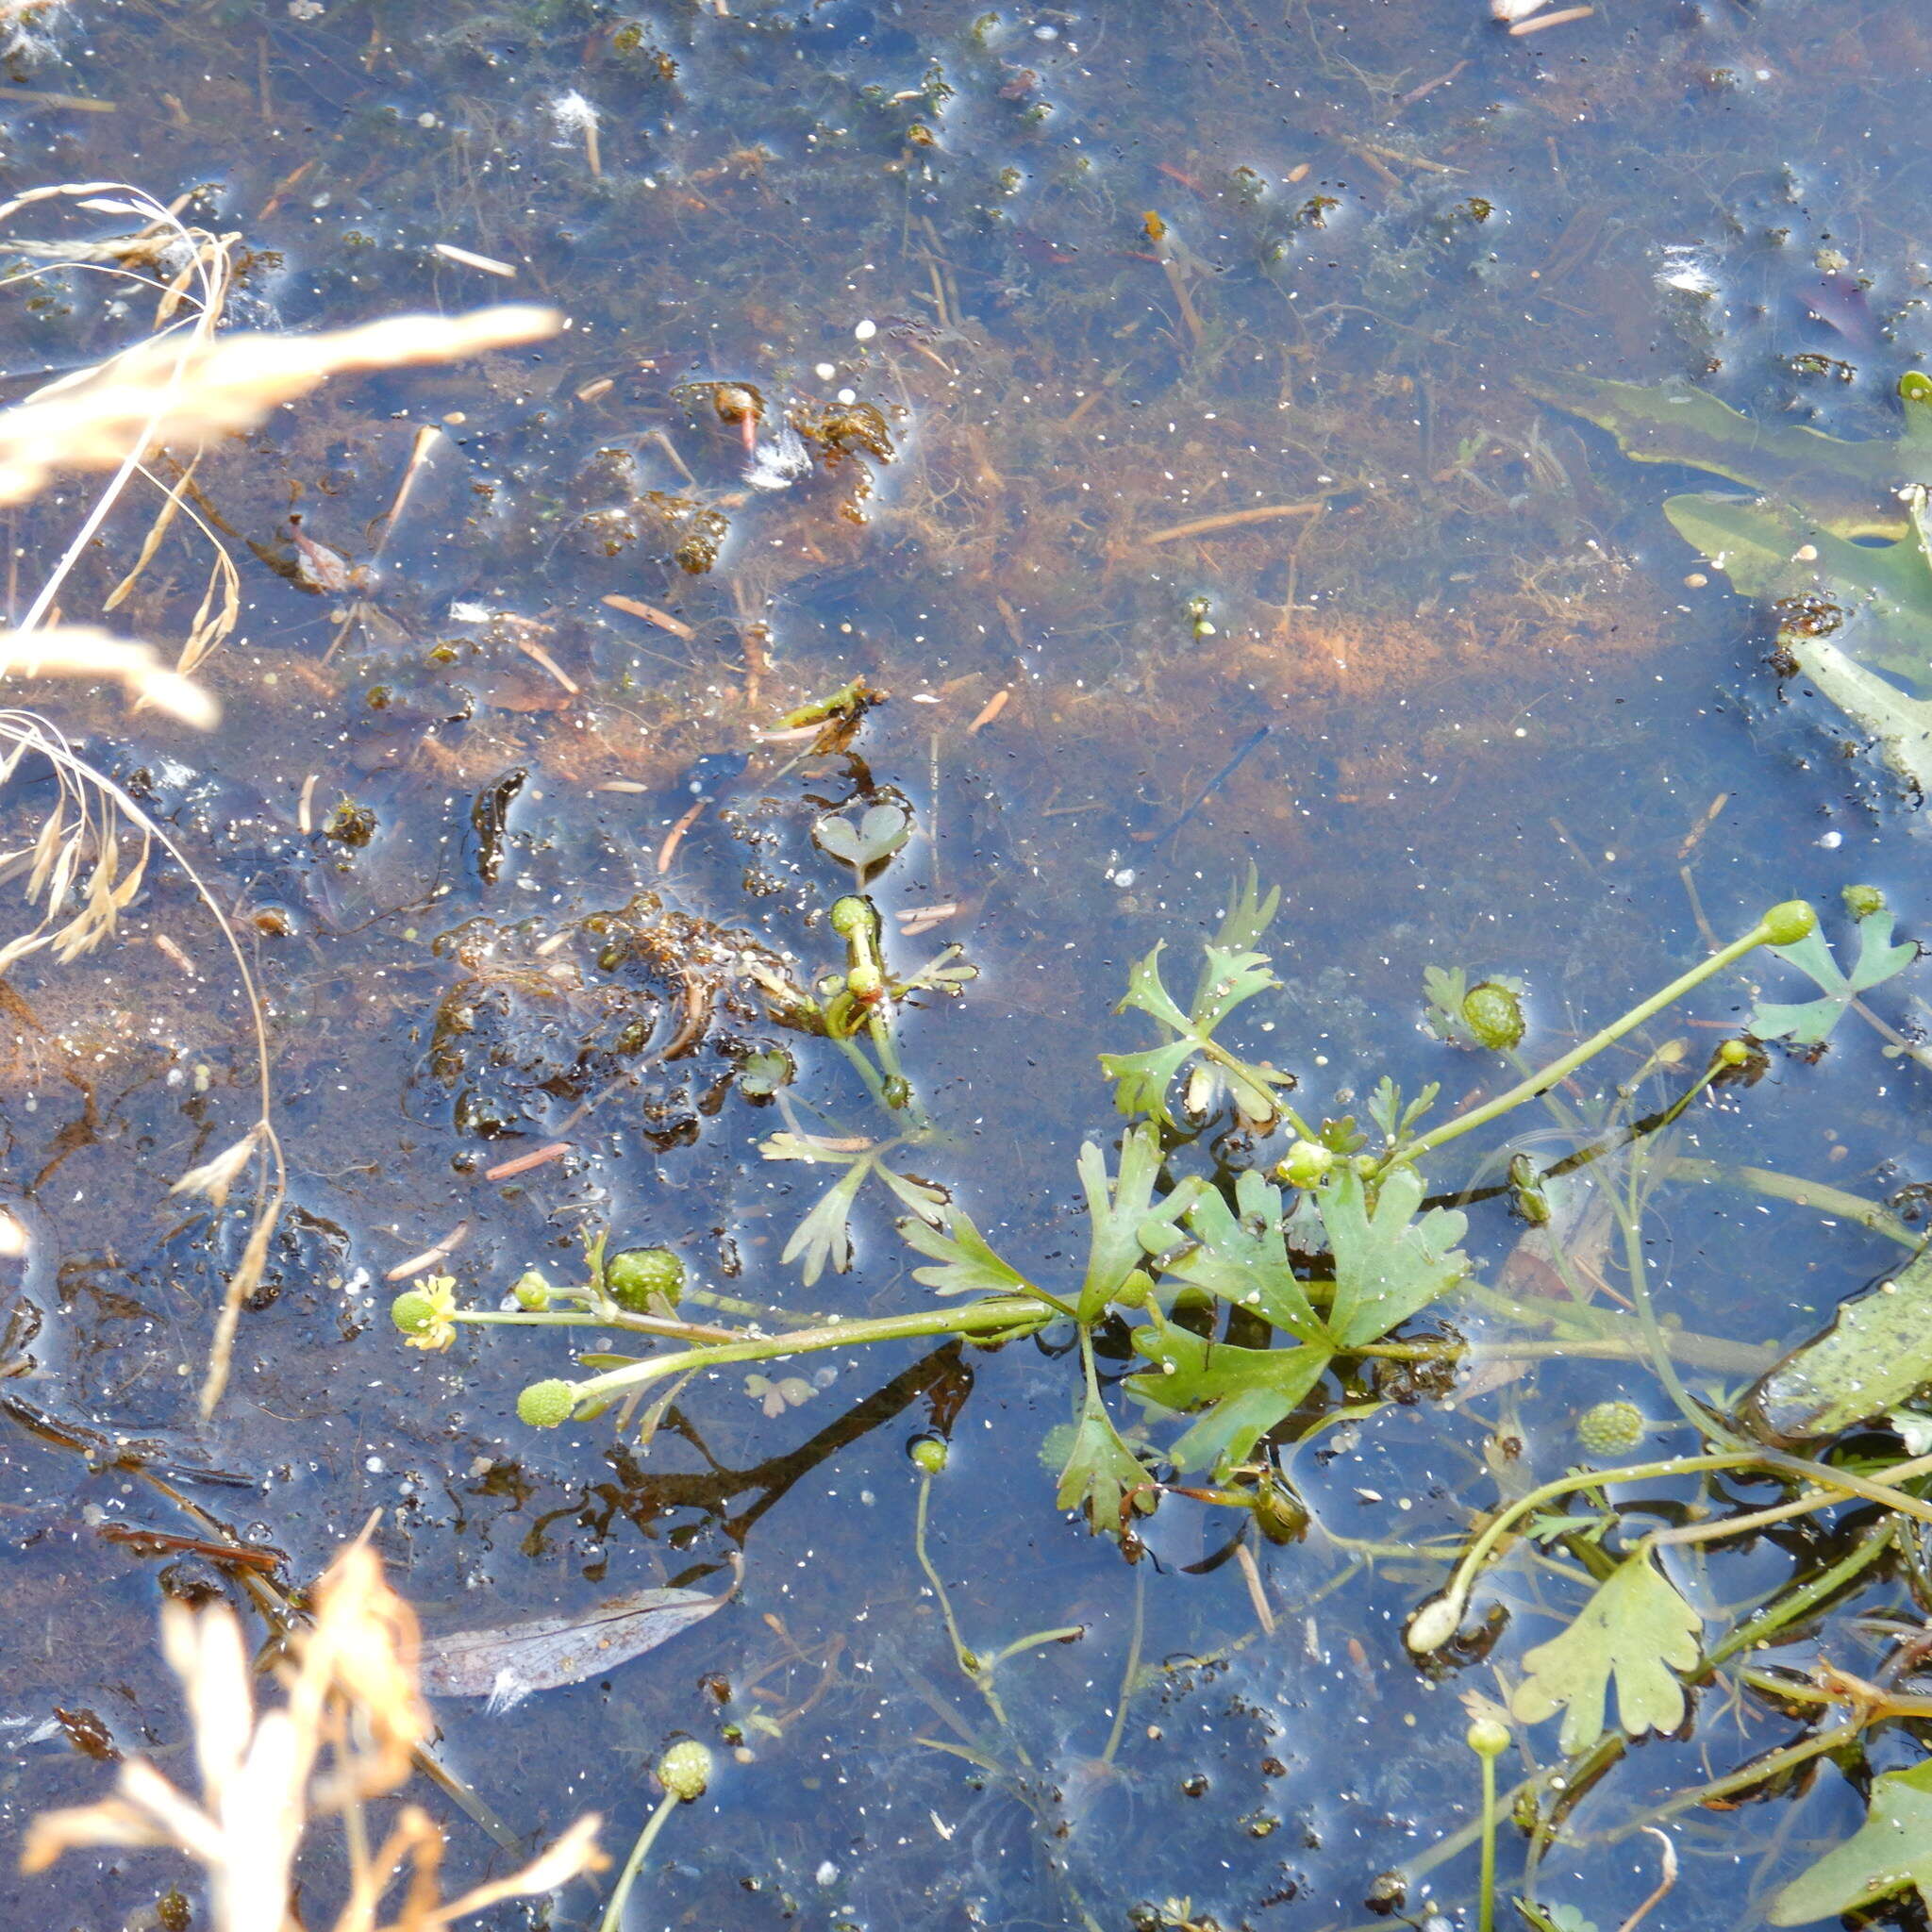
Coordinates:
[184,383]
[348,1730]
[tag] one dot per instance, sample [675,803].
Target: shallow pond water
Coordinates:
[1172,479]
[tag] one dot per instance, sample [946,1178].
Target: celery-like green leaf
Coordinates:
[1117,1210]
[824,1236]
[1245,1392]
[1100,1469]
[1387,1265]
[1242,1256]
[968,1264]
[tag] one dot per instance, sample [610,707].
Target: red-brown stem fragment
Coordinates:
[540,1156]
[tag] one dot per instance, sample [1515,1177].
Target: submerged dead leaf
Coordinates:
[507,1664]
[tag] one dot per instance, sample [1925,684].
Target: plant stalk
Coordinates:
[1559,1070]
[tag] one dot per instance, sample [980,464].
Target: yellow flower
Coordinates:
[426,1313]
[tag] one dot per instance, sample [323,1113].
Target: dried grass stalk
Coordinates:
[353,1719]
[78,650]
[205,386]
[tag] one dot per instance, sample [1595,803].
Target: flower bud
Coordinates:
[1863,902]
[1307,1164]
[864,981]
[1488,1737]
[1734,1053]
[546,1404]
[929,1454]
[685,1770]
[854,914]
[1788,922]
[531,1291]
[1434,1624]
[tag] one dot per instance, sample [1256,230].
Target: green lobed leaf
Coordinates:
[824,1237]
[1100,1469]
[1387,1265]
[1891,1850]
[1245,1392]
[968,1264]
[1118,1209]
[1636,1630]
[1231,973]
[1242,1256]
[1444,989]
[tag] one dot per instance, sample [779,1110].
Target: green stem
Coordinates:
[620,1895]
[1456,1592]
[1559,1070]
[867,1072]
[1486,1907]
[615,1318]
[977,1318]
[1802,1194]
[1758,1772]
[1793,1604]
[1630,1213]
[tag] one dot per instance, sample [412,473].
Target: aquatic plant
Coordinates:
[1837,538]
[1238,1295]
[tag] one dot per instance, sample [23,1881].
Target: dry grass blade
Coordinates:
[209,386]
[351,1722]
[89,816]
[78,650]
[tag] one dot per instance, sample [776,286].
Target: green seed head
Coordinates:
[531,1291]
[1734,1053]
[640,1275]
[853,913]
[1495,1015]
[1307,1164]
[1611,1429]
[1915,386]
[1863,902]
[928,1453]
[412,1311]
[1788,922]
[866,981]
[546,1404]
[1488,1737]
[685,1770]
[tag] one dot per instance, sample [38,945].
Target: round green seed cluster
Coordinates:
[546,1404]
[412,1311]
[1611,1428]
[640,1275]
[685,1770]
[928,1453]
[1493,1014]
